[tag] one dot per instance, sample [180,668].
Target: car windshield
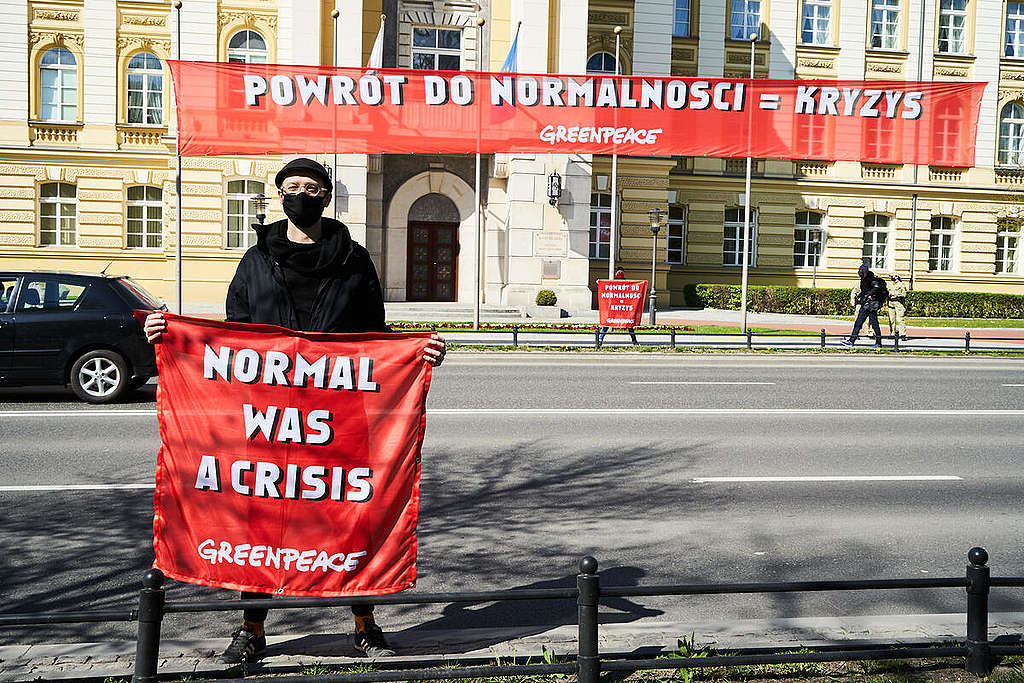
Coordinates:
[138,297]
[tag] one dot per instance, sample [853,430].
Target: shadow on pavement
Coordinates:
[62,394]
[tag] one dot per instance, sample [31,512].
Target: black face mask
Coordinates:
[302,209]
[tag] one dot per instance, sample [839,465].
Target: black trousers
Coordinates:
[359,610]
[632,335]
[872,317]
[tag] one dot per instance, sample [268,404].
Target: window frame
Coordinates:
[59,69]
[145,203]
[247,237]
[436,51]
[737,225]
[1006,157]
[58,202]
[246,53]
[603,72]
[965,13]
[829,38]
[682,6]
[1018,18]
[146,73]
[948,230]
[1005,233]
[676,224]
[596,211]
[887,230]
[888,8]
[808,228]
[745,12]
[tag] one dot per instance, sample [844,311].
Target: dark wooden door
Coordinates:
[433,254]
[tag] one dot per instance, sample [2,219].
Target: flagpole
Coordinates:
[334,132]
[177,179]
[477,284]
[746,202]
[612,241]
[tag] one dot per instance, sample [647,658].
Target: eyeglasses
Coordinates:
[310,189]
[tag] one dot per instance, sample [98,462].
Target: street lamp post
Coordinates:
[746,203]
[657,216]
[259,202]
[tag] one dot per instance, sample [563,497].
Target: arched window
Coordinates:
[145,89]
[1011,135]
[58,86]
[145,217]
[58,214]
[876,240]
[601,63]
[247,47]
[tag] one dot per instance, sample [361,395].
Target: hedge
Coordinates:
[806,301]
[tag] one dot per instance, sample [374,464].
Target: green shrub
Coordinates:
[546,297]
[806,301]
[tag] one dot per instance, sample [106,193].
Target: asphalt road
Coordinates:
[645,462]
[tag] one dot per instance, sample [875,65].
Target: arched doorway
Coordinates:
[432,249]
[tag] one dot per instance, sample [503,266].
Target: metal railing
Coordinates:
[676,337]
[979,653]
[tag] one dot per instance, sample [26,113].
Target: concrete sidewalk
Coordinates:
[83,661]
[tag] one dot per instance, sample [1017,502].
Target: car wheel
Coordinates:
[99,376]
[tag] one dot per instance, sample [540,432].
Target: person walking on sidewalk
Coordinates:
[897,306]
[305,273]
[873,295]
[620,274]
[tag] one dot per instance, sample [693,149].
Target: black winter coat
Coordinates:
[349,298]
[873,292]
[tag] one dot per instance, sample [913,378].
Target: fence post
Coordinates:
[750,338]
[515,336]
[597,337]
[823,337]
[151,613]
[979,656]
[967,342]
[588,661]
[672,337]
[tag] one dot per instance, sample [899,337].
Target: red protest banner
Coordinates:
[620,302]
[290,461]
[274,109]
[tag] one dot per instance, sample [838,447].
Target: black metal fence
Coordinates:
[980,654]
[681,338]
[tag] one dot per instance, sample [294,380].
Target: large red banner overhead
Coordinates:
[274,109]
[290,461]
[620,303]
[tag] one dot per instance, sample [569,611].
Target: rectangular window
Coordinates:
[58,214]
[732,242]
[807,239]
[1007,246]
[876,240]
[885,24]
[675,246]
[681,20]
[814,27]
[242,212]
[436,49]
[745,19]
[940,244]
[7,286]
[1014,29]
[600,225]
[952,27]
[145,217]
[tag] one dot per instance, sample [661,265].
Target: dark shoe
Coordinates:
[846,342]
[245,646]
[903,337]
[370,641]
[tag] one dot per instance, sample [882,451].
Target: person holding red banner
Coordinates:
[620,274]
[305,273]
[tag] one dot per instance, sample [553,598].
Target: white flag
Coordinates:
[377,53]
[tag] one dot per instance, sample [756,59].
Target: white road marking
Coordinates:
[759,480]
[1013,385]
[79,487]
[584,411]
[702,383]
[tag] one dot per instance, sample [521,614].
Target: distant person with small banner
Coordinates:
[620,303]
[290,459]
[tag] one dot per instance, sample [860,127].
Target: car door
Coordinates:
[47,322]
[8,289]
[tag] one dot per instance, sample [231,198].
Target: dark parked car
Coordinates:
[74,329]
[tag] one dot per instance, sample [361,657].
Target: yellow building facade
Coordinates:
[88,166]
